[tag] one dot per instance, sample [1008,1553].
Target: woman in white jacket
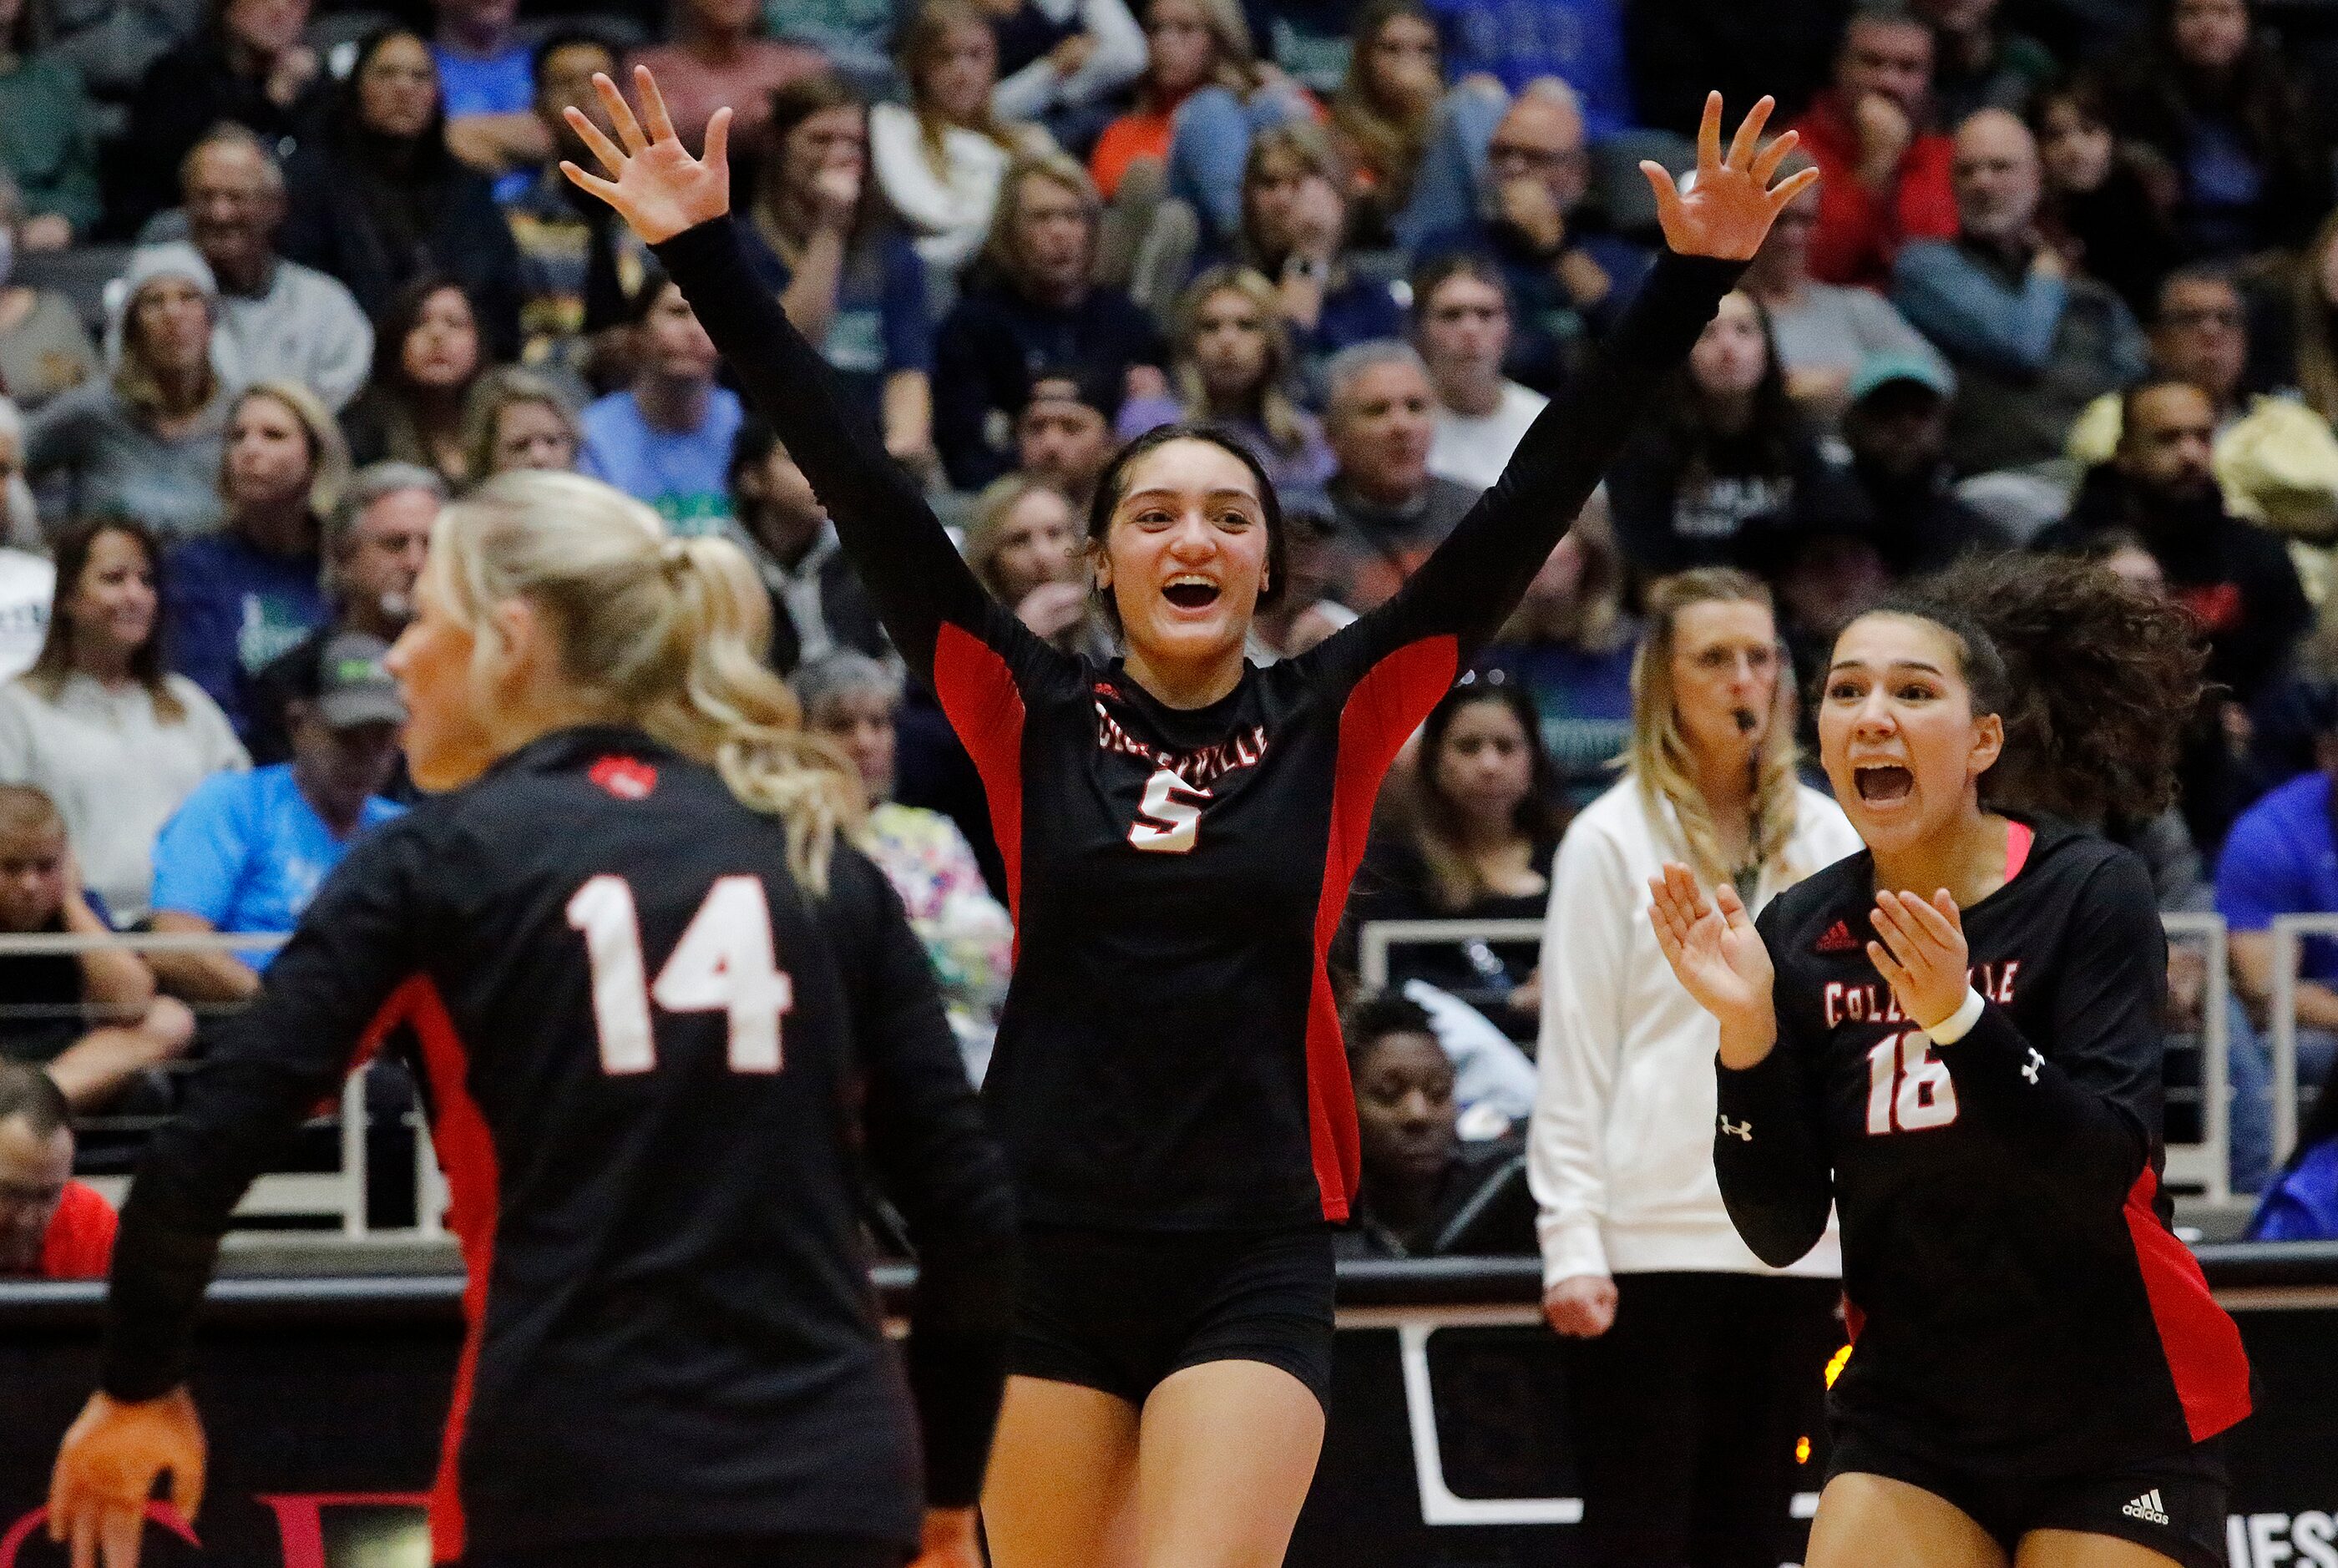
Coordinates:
[1701,1366]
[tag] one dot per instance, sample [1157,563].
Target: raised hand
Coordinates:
[1718,957]
[1729,206]
[1923,954]
[106,1470]
[656,185]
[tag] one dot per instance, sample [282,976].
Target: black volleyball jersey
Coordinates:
[1168,1056]
[2019,1303]
[641,1045]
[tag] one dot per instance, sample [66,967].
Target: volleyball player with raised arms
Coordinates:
[1954,1039]
[649,984]
[1179,828]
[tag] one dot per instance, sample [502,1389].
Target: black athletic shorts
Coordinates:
[1120,1310]
[2174,1506]
[706,1551]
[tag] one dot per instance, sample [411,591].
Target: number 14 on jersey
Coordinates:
[725,963]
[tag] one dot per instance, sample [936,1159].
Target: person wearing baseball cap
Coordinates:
[248,850]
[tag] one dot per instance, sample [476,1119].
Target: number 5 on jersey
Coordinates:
[1907,1088]
[1169,817]
[726,963]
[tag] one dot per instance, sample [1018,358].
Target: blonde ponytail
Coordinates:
[668,633]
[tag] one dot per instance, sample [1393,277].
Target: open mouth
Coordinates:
[1883,782]
[1190,592]
[1748,721]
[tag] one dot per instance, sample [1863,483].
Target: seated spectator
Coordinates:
[45,349]
[1568,275]
[1025,546]
[1470,841]
[516,418]
[1979,63]
[666,438]
[1385,114]
[88,1019]
[2276,460]
[847,275]
[2229,123]
[2314,322]
[1294,225]
[28,583]
[278,320]
[1885,174]
[1424,1189]
[20,519]
[1035,305]
[2303,1205]
[1901,494]
[1462,324]
[1725,454]
[2032,343]
[940,159]
[52,1226]
[1824,332]
[378,201]
[1233,369]
[248,850]
[486,81]
[1061,62]
[145,442]
[430,359]
[852,700]
[377,541]
[1388,510]
[99,726]
[819,605]
[1569,645]
[714,58]
[49,147]
[247,67]
[1064,433]
[1580,42]
[234,600]
[2099,210]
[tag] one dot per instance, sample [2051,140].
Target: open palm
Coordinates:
[1728,206]
[656,185]
[1710,944]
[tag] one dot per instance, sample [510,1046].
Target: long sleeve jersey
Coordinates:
[2019,1301]
[640,1044]
[1169,1057]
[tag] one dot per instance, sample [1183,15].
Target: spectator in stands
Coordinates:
[574,255]
[2276,460]
[377,541]
[1900,496]
[430,359]
[52,1226]
[1885,172]
[1024,545]
[666,438]
[1295,224]
[852,700]
[2303,1205]
[1570,645]
[1726,452]
[1392,115]
[99,725]
[1388,511]
[487,82]
[235,600]
[819,605]
[48,146]
[278,320]
[2099,210]
[2219,107]
[1568,274]
[248,850]
[1425,1192]
[2031,342]
[1462,324]
[715,57]
[1979,63]
[89,1019]
[1690,1344]
[1234,370]
[248,67]
[1037,305]
[45,349]
[1824,332]
[1061,62]
[1064,433]
[27,580]
[379,200]
[516,418]
[941,159]
[20,520]
[847,275]
[1470,841]
[145,442]
[2314,322]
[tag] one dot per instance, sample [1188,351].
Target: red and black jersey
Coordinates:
[2020,1304]
[1168,1057]
[642,1044]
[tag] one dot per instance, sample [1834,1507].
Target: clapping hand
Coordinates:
[1923,952]
[656,185]
[1729,207]
[1718,957]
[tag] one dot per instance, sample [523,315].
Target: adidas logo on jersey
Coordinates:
[1838,939]
[2147,1508]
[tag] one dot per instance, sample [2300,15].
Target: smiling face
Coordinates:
[1724,675]
[113,605]
[1898,736]
[1185,556]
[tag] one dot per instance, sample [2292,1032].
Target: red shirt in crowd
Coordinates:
[80,1241]
[1860,230]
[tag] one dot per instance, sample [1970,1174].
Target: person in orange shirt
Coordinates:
[52,1226]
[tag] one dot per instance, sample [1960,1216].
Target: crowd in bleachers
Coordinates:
[275,282]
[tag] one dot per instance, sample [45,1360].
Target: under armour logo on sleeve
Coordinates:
[2029,1068]
[1743,1131]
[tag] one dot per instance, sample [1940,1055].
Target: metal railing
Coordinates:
[2288,933]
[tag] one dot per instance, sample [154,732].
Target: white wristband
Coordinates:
[1959,1024]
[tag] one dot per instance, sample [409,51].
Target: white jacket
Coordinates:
[1620,1148]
